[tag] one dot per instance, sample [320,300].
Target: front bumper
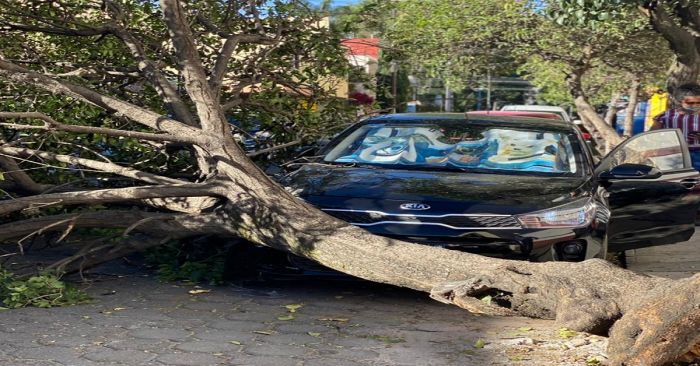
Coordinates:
[504,240]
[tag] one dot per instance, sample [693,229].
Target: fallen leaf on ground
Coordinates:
[314,334]
[286,317]
[237,343]
[293,307]
[342,320]
[479,343]
[264,332]
[199,291]
[567,333]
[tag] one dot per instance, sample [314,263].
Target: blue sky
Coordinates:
[337,2]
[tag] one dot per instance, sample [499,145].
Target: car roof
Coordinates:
[536,114]
[532,107]
[510,121]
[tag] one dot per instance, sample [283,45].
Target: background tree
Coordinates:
[495,37]
[226,194]
[677,21]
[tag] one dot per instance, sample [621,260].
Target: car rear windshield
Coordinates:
[453,145]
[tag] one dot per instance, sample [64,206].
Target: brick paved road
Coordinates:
[135,320]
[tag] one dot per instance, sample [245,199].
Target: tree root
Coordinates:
[663,329]
[655,327]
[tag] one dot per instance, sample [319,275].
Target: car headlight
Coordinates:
[579,213]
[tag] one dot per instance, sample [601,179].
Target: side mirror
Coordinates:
[630,171]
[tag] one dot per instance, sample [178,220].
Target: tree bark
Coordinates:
[611,113]
[633,94]
[609,136]
[683,38]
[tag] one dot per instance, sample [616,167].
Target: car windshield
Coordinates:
[448,145]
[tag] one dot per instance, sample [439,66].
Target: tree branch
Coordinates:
[22,181]
[274,148]
[63,31]
[681,41]
[159,223]
[217,73]
[209,111]
[51,125]
[143,116]
[110,195]
[92,164]
[689,14]
[164,88]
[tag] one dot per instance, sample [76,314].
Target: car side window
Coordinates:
[660,149]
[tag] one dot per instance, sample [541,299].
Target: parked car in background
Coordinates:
[531,114]
[535,114]
[539,108]
[503,185]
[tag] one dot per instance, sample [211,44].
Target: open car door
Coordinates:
[652,190]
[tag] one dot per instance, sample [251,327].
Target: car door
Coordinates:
[651,189]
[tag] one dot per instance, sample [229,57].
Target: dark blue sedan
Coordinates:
[511,186]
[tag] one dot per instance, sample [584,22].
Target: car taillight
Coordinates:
[586,135]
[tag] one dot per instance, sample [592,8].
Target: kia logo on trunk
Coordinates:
[414,206]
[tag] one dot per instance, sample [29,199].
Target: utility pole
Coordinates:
[448,98]
[488,90]
[394,86]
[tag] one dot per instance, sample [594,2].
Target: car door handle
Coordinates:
[690,183]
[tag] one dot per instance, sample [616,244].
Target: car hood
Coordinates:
[446,192]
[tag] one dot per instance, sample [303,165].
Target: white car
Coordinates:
[539,108]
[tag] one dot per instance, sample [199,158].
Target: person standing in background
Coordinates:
[657,104]
[685,115]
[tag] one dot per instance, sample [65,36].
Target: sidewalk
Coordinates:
[671,261]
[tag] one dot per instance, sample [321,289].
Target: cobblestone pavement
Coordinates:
[136,320]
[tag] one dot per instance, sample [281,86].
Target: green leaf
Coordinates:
[567,333]
[286,317]
[480,343]
[293,307]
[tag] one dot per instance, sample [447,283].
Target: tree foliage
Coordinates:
[677,21]
[281,68]
[456,46]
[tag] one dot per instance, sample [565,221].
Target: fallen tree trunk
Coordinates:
[593,296]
